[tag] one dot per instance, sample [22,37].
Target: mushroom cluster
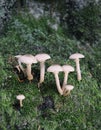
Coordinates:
[55,69]
[29,59]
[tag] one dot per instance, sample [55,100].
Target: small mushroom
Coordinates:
[66,69]
[19,73]
[55,69]
[42,58]
[18,56]
[28,60]
[20,98]
[76,57]
[67,89]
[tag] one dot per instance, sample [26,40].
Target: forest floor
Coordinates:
[44,108]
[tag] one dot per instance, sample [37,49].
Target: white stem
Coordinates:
[65,80]
[18,68]
[42,72]
[78,69]
[21,103]
[28,71]
[22,68]
[58,84]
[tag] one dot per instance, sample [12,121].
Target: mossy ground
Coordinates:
[81,110]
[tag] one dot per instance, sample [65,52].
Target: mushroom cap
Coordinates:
[76,56]
[69,87]
[55,68]
[42,57]
[27,59]
[17,56]
[20,97]
[67,68]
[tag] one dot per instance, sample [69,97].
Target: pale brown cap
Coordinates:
[18,56]
[54,68]
[76,56]
[69,87]
[20,97]
[27,59]
[67,68]
[42,57]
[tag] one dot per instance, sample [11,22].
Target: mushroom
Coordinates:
[18,56]
[67,89]
[67,69]
[28,60]
[55,69]
[76,57]
[20,74]
[18,68]
[42,58]
[20,98]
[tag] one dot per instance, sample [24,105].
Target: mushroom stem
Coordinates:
[65,80]
[23,70]
[78,69]
[21,103]
[28,71]
[58,84]
[42,72]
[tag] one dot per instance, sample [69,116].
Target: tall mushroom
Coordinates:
[28,60]
[55,69]
[42,58]
[20,97]
[67,89]
[76,57]
[66,69]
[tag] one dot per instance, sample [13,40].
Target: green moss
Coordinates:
[79,111]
